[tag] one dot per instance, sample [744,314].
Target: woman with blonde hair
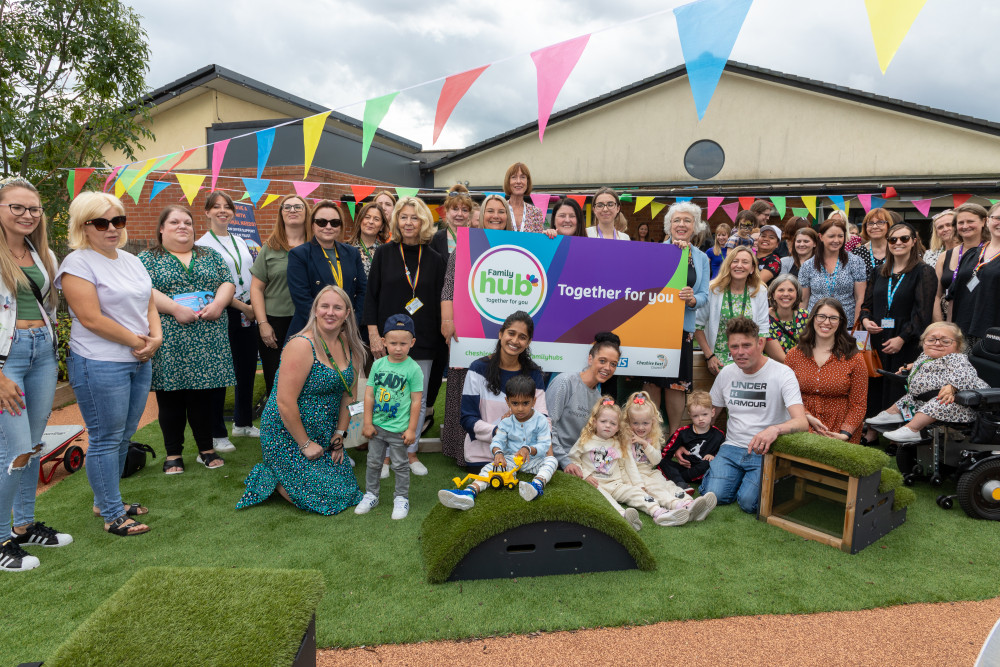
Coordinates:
[737,291]
[718,251]
[611,224]
[28,368]
[406,277]
[943,236]
[115,332]
[525,217]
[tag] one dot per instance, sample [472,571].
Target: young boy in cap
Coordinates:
[392,405]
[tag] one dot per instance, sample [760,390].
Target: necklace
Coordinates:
[23,254]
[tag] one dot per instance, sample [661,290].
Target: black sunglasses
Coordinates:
[902,238]
[323,222]
[101,224]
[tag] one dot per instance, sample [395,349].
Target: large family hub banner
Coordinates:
[572,287]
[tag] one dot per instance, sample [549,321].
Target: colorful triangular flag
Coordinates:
[731,210]
[76,179]
[890,20]
[403,193]
[746,203]
[922,205]
[455,87]
[111,177]
[579,199]
[218,155]
[625,198]
[642,202]
[713,203]
[158,187]
[553,65]
[655,208]
[304,188]
[269,199]
[361,192]
[256,188]
[837,201]
[265,141]
[541,201]
[779,205]
[312,130]
[375,111]
[810,203]
[958,200]
[190,184]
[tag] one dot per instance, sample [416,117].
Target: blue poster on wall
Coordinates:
[244,225]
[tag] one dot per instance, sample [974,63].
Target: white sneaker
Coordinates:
[246,431]
[631,515]
[702,505]
[223,445]
[367,504]
[885,418]
[677,517]
[400,507]
[903,434]
[385,471]
[418,468]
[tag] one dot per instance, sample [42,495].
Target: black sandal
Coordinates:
[205,458]
[123,527]
[173,463]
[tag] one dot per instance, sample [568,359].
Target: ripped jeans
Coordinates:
[31,364]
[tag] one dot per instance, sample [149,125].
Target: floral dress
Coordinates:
[320,486]
[930,375]
[367,253]
[196,355]
[787,332]
[732,306]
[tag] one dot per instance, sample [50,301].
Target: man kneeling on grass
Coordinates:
[523,433]
[763,399]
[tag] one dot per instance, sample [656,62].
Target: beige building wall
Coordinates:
[183,124]
[769,132]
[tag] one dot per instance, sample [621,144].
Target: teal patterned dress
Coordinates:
[320,486]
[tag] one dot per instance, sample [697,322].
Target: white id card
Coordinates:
[356,408]
[414,305]
[888,323]
[907,411]
[972,284]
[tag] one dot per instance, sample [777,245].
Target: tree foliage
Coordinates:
[72,74]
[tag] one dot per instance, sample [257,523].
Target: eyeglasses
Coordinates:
[605,205]
[903,238]
[33,211]
[939,341]
[832,319]
[292,207]
[876,223]
[101,224]
[323,222]
[994,218]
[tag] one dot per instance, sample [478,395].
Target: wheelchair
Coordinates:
[969,452]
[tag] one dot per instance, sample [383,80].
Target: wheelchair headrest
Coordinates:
[985,357]
[990,343]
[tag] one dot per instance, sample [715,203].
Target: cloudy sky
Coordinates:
[338,53]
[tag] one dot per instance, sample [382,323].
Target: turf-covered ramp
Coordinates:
[569,521]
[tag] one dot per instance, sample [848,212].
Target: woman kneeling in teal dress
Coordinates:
[305,420]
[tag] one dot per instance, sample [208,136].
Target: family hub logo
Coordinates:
[505,279]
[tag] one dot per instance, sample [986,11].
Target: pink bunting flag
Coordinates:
[218,154]
[923,205]
[866,201]
[454,89]
[111,177]
[731,210]
[541,201]
[362,191]
[304,188]
[960,199]
[554,65]
[713,203]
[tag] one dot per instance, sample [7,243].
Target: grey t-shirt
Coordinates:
[569,402]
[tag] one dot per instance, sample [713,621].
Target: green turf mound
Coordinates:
[892,480]
[855,460]
[198,616]
[447,535]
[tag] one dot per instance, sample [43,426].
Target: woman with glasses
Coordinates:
[898,306]
[273,307]
[977,307]
[220,211]
[831,372]
[191,288]
[325,260]
[28,369]
[524,216]
[611,224]
[970,227]
[942,367]
[115,332]
[943,236]
[833,272]
[873,248]
[371,229]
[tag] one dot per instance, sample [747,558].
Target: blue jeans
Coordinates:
[31,364]
[112,396]
[734,474]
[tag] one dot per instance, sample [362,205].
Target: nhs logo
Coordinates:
[623,362]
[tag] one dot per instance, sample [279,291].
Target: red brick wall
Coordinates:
[142,217]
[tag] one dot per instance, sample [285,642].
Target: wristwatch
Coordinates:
[342,434]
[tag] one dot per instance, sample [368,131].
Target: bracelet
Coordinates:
[259,322]
[847,433]
[305,444]
[709,358]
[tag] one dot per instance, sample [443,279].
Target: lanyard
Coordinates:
[237,260]
[338,272]
[961,249]
[981,262]
[187,269]
[413,282]
[364,248]
[892,290]
[831,281]
[614,233]
[451,233]
[913,373]
[333,362]
[743,305]
[524,216]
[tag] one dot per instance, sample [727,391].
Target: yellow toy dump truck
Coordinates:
[497,479]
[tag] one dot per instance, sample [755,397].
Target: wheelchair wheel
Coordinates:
[979,491]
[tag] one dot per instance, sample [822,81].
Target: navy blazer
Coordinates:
[309,272]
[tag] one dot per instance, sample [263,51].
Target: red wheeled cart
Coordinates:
[56,449]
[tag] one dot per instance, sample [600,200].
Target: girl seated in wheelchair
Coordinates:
[942,367]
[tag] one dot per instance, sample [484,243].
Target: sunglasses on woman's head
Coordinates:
[101,224]
[322,222]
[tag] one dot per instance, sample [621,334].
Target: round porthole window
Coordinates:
[704,159]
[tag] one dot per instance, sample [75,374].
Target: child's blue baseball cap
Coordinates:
[399,322]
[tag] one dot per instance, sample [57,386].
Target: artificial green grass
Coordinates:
[377,588]
[447,535]
[198,616]
[892,480]
[855,460]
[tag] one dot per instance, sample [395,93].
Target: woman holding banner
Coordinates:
[567,219]
[220,211]
[407,277]
[611,224]
[525,217]
[495,216]
[680,223]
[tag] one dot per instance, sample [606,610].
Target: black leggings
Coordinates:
[269,356]
[182,407]
[243,345]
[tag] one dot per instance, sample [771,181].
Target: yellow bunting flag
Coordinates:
[146,168]
[642,202]
[190,184]
[810,203]
[655,208]
[312,130]
[890,21]
[269,199]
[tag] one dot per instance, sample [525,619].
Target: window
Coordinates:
[704,159]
